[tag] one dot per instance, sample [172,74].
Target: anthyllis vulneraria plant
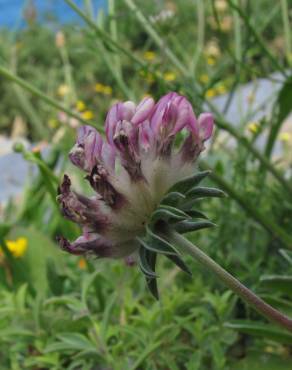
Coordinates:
[146,190]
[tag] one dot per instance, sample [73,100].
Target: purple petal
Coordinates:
[113,117]
[185,116]
[80,209]
[146,136]
[128,110]
[143,110]
[87,148]
[206,124]
[98,246]
[108,155]
[158,112]
[172,111]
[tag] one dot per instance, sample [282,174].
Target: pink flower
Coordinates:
[131,171]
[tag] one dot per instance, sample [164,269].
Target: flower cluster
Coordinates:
[148,149]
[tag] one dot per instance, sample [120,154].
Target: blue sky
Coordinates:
[11,10]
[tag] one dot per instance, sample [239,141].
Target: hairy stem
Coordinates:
[231,282]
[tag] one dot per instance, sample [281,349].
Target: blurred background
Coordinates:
[63,64]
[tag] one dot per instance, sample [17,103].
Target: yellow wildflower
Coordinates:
[103,89]
[53,123]
[80,106]
[88,114]
[82,264]
[17,247]
[285,137]
[221,89]
[63,90]
[169,76]
[226,23]
[253,127]
[269,349]
[149,55]
[204,78]
[220,5]
[107,90]
[211,61]
[212,49]
[210,93]
[99,87]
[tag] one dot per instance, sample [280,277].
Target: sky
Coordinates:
[11,11]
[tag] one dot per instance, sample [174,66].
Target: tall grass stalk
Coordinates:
[200,35]
[155,36]
[287,31]
[257,37]
[38,93]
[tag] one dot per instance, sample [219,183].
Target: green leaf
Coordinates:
[180,263]
[152,282]
[281,283]
[260,329]
[186,184]
[173,198]
[86,284]
[202,192]
[193,213]
[32,266]
[262,361]
[71,342]
[189,226]
[144,257]
[287,255]
[4,229]
[155,243]
[285,99]
[168,214]
[284,105]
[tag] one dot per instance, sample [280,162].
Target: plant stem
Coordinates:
[257,37]
[156,37]
[104,36]
[36,92]
[287,34]
[231,282]
[200,36]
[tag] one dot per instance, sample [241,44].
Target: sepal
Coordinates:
[189,226]
[173,198]
[156,243]
[204,192]
[180,263]
[168,214]
[189,182]
[144,262]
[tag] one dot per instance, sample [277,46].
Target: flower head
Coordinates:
[131,171]
[17,247]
